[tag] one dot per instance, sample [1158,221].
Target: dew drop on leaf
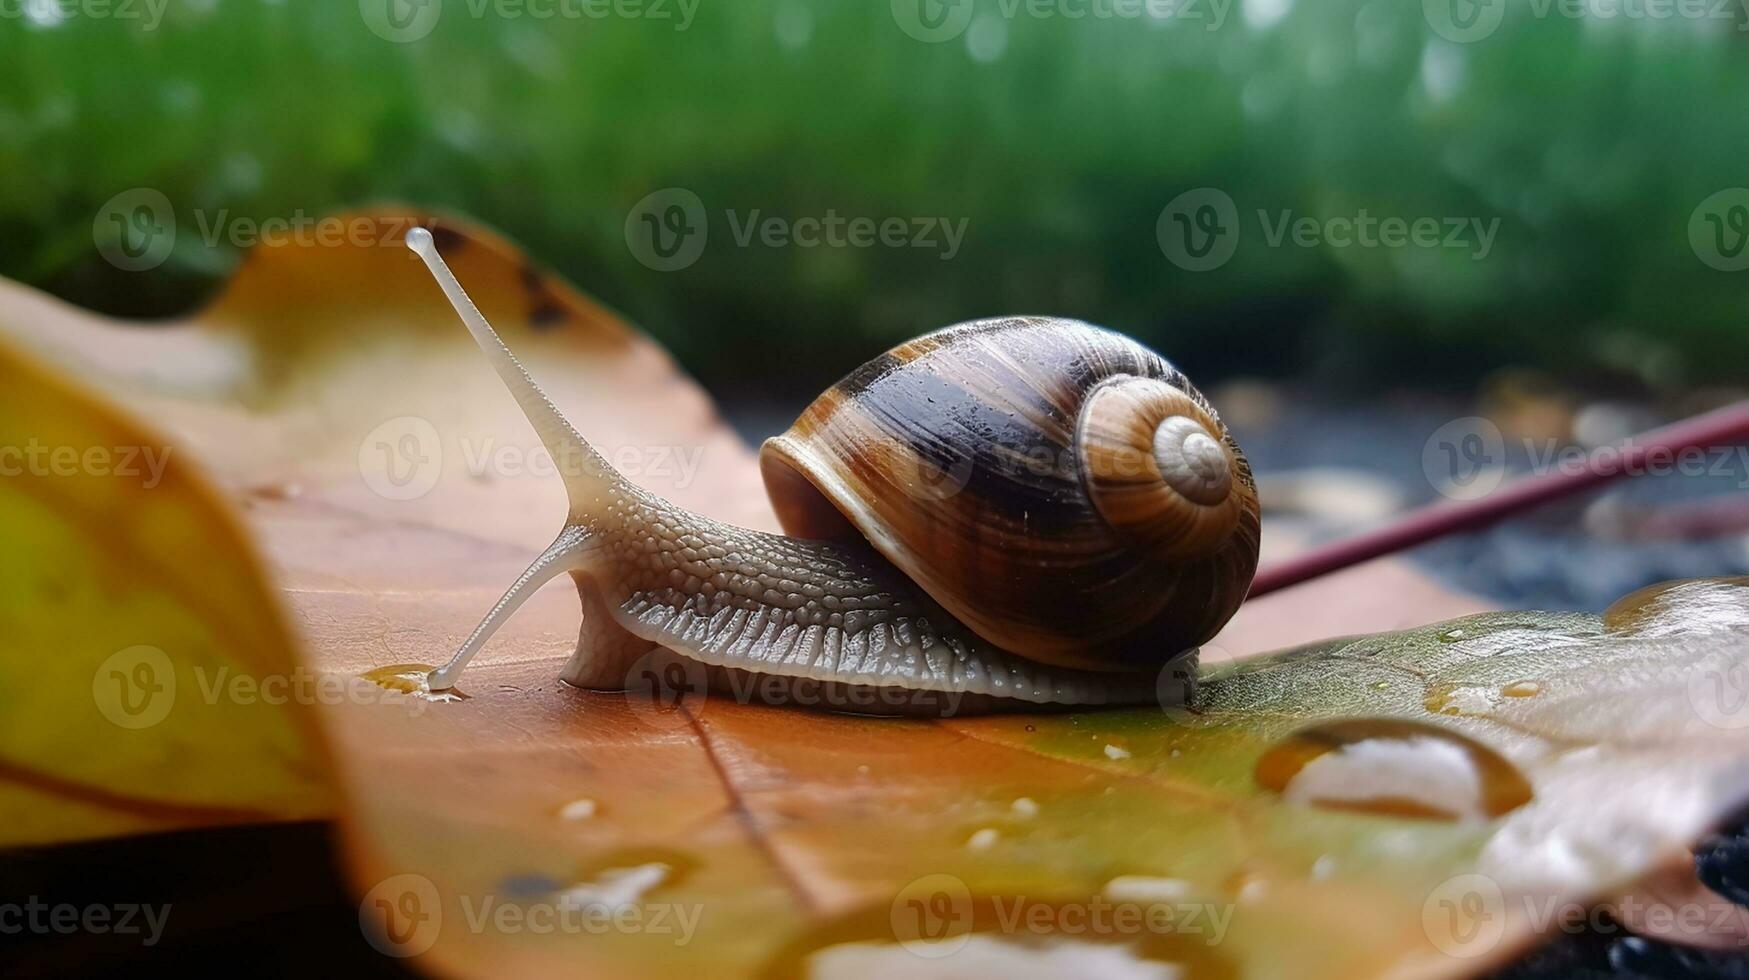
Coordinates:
[1395,767]
[413,679]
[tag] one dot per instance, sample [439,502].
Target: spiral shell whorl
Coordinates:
[1156,467]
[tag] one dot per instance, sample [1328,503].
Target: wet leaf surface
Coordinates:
[1505,761]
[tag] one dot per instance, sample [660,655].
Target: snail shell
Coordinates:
[1059,488]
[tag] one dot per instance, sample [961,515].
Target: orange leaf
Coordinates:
[534,828]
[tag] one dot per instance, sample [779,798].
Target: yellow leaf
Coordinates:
[139,634]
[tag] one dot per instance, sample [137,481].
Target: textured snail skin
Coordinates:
[830,609]
[777,606]
[972,459]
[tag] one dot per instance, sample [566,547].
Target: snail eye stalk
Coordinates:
[584,482]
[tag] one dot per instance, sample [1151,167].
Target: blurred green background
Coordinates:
[1593,139]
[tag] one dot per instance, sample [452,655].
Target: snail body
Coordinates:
[1007,513]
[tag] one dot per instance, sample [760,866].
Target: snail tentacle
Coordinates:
[561,556]
[585,472]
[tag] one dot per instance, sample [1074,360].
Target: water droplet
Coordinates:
[616,888]
[1146,889]
[1687,606]
[1115,752]
[983,839]
[1395,767]
[1247,886]
[987,39]
[1025,807]
[1453,635]
[578,810]
[275,491]
[1459,699]
[1380,685]
[412,679]
[1522,689]
[1324,867]
[794,25]
[940,928]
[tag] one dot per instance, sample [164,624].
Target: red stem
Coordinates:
[1724,427]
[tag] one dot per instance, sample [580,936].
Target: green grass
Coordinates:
[1592,143]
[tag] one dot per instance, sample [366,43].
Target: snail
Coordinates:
[1013,513]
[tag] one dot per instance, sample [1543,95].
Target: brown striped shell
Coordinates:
[1059,488]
